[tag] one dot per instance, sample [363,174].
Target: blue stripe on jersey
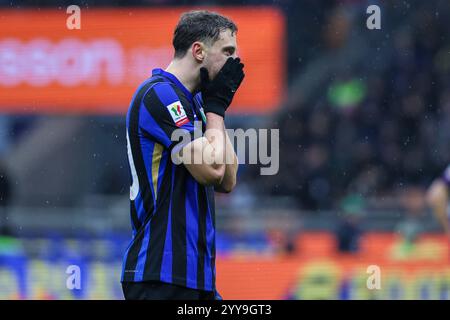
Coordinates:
[166,265]
[166,94]
[173,79]
[139,274]
[124,259]
[147,148]
[191,232]
[147,123]
[209,243]
[136,93]
[139,205]
[208,274]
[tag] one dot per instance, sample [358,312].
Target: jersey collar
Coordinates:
[172,78]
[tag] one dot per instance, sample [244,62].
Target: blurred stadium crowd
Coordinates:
[369,114]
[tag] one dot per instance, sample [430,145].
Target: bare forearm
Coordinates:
[231,167]
[204,157]
[215,134]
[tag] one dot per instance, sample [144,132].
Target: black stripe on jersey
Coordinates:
[161,115]
[179,245]
[144,184]
[158,227]
[201,245]
[212,208]
[134,216]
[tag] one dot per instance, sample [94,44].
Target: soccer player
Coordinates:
[172,251]
[438,199]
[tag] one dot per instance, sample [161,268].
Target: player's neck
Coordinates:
[184,74]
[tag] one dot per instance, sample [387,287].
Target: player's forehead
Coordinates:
[226,39]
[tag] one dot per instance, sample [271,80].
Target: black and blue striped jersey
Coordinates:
[172,215]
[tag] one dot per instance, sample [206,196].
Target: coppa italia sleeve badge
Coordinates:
[177,113]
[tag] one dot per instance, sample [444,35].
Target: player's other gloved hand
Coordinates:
[218,93]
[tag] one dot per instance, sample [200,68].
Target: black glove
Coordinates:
[217,94]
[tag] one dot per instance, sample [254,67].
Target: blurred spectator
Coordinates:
[348,232]
[413,201]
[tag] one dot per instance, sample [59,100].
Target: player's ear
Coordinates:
[198,51]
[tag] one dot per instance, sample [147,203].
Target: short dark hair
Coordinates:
[199,26]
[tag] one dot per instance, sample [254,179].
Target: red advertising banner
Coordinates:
[45,67]
[387,267]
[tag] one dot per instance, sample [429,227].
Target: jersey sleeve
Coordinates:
[164,118]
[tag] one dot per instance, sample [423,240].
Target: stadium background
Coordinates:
[364,120]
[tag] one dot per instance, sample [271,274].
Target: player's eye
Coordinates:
[229,51]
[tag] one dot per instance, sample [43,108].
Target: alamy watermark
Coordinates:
[74,20]
[374,280]
[74,279]
[373,22]
[253,146]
